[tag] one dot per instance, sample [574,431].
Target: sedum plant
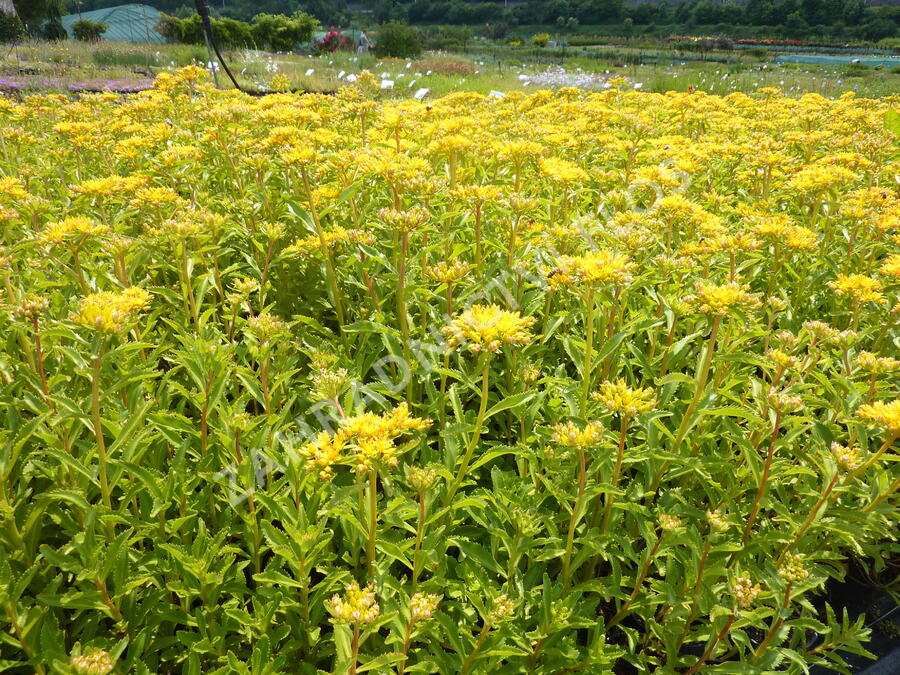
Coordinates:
[560,382]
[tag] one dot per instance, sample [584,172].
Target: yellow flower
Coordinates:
[93,663]
[446,272]
[668,522]
[598,267]
[847,459]
[156,197]
[10,186]
[488,327]
[801,238]
[422,606]
[744,591]
[358,607]
[334,238]
[562,171]
[883,414]
[71,228]
[717,521]
[324,453]
[110,312]
[860,287]
[891,266]
[619,398]
[389,425]
[404,221]
[877,365]
[266,327]
[713,299]
[792,570]
[369,437]
[569,435]
[100,187]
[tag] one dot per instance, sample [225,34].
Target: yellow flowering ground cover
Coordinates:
[558,382]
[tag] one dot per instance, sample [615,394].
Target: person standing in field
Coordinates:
[363,44]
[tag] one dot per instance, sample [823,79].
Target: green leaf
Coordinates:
[510,402]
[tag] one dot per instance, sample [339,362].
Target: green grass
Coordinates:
[498,68]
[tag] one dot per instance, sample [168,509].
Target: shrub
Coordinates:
[270,31]
[540,40]
[282,33]
[398,40]
[496,31]
[332,41]
[89,31]
[11,28]
[446,38]
[858,69]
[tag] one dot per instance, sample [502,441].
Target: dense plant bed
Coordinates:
[560,382]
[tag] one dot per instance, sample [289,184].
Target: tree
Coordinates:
[88,31]
[11,28]
[398,40]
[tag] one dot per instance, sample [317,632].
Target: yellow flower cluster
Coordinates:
[266,327]
[621,399]
[447,272]
[877,365]
[792,570]
[334,238]
[891,266]
[847,459]
[93,663]
[111,312]
[597,267]
[744,591]
[668,522]
[562,171]
[883,414]
[722,299]
[422,606]
[487,327]
[569,435]
[74,228]
[717,521]
[370,438]
[860,287]
[357,607]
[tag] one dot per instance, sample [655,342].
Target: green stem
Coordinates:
[588,352]
[576,516]
[373,522]
[773,629]
[467,664]
[699,388]
[476,433]
[326,252]
[402,315]
[809,519]
[761,490]
[98,433]
[417,551]
[188,286]
[354,649]
[638,583]
[407,639]
[614,481]
[874,458]
[884,495]
[712,645]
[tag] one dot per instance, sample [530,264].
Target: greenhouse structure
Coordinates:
[125,23]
